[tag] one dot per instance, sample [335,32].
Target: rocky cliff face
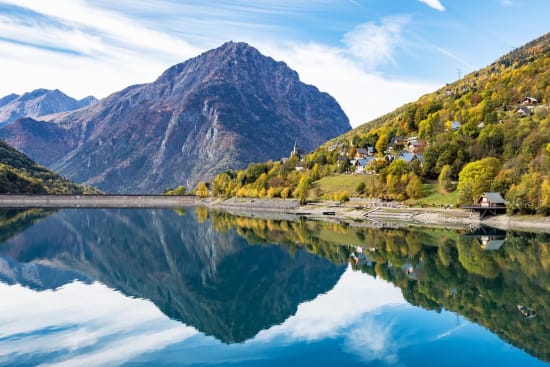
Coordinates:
[39,102]
[221,110]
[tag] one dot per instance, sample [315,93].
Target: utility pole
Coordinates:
[459,73]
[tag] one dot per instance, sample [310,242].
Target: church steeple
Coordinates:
[295,151]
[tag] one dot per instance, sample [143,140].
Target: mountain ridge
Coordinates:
[38,103]
[220,110]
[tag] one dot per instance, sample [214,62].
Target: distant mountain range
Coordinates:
[38,103]
[218,111]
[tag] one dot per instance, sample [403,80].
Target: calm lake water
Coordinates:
[191,287]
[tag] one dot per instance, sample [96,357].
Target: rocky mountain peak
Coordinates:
[220,110]
[37,103]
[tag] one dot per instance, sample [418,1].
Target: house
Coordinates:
[370,151]
[361,164]
[408,157]
[523,111]
[396,143]
[361,153]
[491,200]
[481,125]
[455,125]
[412,146]
[529,101]
[300,166]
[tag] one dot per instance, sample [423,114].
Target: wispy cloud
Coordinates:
[455,57]
[80,324]
[331,313]
[435,4]
[98,48]
[375,44]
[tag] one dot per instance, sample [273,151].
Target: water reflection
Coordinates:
[216,283]
[322,293]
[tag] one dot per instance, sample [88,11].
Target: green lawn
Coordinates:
[332,184]
[434,197]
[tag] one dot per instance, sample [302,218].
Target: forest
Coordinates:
[488,131]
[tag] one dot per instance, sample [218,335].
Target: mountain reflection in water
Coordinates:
[263,282]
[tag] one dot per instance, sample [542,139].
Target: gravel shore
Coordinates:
[369,212]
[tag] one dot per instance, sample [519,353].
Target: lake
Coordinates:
[85,287]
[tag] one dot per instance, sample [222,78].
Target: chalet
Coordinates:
[361,153]
[396,143]
[490,203]
[413,145]
[491,200]
[455,125]
[361,164]
[408,157]
[523,111]
[300,166]
[529,101]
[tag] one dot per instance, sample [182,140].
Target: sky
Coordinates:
[371,55]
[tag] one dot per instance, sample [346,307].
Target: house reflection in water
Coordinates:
[489,238]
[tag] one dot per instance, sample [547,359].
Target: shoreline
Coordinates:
[356,212]
[97,201]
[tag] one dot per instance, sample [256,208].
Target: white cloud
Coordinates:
[363,94]
[327,315]
[111,50]
[457,58]
[86,325]
[435,4]
[374,44]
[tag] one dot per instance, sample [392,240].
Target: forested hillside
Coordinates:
[19,174]
[489,131]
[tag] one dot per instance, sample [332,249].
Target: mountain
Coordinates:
[39,102]
[20,174]
[490,131]
[221,110]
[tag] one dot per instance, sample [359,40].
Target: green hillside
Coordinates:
[489,131]
[19,174]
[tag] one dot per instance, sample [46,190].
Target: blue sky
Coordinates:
[371,55]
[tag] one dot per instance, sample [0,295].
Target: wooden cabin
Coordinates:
[491,200]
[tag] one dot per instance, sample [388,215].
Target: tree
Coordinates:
[302,189]
[445,184]
[180,190]
[476,178]
[414,187]
[360,189]
[202,190]
[382,143]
